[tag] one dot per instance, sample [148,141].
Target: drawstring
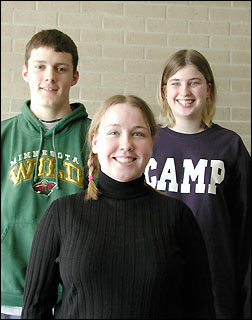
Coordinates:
[56,158]
[37,160]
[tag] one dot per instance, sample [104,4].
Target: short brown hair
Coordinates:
[55,39]
[177,61]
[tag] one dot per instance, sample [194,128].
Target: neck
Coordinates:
[50,113]
[189,126]
[121,190]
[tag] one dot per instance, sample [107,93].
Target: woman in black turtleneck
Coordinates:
[120,249]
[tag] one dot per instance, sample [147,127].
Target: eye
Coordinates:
[138,134]
[113,133]
[38,67]
[194,83]
[175,84]
[61,69]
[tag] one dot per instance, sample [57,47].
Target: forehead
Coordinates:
[187,72]
[49,54]
[123,113]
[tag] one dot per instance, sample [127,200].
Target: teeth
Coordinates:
[185,102]
[124,160]
[48,89]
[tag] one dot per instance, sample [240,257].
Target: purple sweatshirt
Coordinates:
[210,171]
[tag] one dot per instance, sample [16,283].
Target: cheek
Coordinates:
[146,151]
[201,93]
[171,96]
[105,147]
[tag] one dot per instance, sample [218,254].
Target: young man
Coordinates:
[44,155]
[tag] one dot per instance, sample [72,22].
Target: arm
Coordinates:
[240,204]
[42,275]
[197,289]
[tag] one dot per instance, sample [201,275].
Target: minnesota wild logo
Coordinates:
[44,187]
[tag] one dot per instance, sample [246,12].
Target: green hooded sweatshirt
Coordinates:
[37,167]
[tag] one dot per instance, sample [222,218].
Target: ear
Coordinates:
[25,73]
[75,78]
[95,144]
[164,89]
[209,89]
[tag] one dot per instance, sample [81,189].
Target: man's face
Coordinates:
[50,77]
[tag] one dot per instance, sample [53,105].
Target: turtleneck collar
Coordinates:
[122,190]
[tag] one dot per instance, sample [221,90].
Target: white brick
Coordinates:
[101,7]
[123,23]
[59,6]
[123,47]
[144,9]
[81,21]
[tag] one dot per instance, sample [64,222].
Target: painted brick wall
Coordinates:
[123,46]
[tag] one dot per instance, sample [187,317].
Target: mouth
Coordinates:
[185,102]
[124,159]
[48,89]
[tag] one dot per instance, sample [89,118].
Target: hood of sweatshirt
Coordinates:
[32,126]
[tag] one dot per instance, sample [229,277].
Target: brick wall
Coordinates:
[123,46]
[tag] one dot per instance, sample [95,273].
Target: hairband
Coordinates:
[90,178]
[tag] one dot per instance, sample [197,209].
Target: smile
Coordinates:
[186,102]
[48,89]
[124,159]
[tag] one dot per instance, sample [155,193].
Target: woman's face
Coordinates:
[123,143]
[187,92]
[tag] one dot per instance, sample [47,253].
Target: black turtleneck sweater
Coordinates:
[132,254]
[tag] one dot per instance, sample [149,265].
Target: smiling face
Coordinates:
[187,92]
[123,143]
[50,77]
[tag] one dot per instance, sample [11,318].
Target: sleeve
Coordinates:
[197,293]
[240,204]
[42,275]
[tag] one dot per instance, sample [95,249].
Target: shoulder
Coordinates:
[230,139]
[172,212]
[63,207]
[7,124]
[70,198]
[9,121]
[225,135]
[167,202]
[216,128]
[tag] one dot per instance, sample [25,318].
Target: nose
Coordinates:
[126,144]
[50,75]
[184,89]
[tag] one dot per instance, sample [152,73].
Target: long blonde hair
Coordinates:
[177,61]
[93,163]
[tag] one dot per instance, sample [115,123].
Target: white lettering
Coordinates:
[194,173]
[60,155]
[217,175]
[12,163]
[35,154]
[27,155]
[168,173]
[75,160]
[67,156]
[152,164]
[44,152]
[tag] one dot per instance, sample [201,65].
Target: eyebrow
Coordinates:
[174,79]
[118,125]
[56,64]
